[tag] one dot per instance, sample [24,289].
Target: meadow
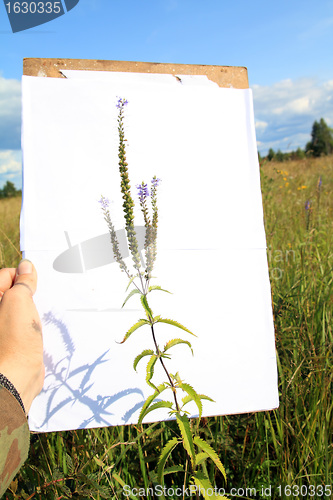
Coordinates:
[286,453]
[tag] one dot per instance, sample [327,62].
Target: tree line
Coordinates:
[321,144]
[9,190]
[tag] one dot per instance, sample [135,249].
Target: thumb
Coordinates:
[26,275]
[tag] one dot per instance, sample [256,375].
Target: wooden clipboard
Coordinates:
[225,76]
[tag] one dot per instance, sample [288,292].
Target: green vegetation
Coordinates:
[9,191]
[321,144]
[321,139]
[289,446]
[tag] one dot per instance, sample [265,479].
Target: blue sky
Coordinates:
[286,46]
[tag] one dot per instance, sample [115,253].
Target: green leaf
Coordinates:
[164,457]
[137,325]
[154,287]
[159,404]
[184,426]
[193,394]
[146,352]
[172,470]
[203,396]
[200,458]
[187,399]
[150,370]
[146,307]
[130,282]
[205,487]
[172,322]
[173,342]
[122,484]
[211,453]
[149,400]
[133,292]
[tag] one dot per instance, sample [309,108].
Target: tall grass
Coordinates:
[10,231]
[289,446]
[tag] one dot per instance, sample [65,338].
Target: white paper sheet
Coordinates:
[199,139]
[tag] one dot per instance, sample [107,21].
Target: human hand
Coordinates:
[21,343]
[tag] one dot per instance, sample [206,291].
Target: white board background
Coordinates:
[200,140]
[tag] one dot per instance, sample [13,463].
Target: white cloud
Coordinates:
[260,125]
[289,109]
[11,167]
[10,162]
[10,114]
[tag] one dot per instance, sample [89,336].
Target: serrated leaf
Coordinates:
[146,352]
[174,342]
[188,398]
[200,457]
[191,392]
[204,446]
[159,404]
[137,325]
[184,426]
[146,307]
[150,370]
[173,323]
[170,445]
[203,396]
[204,485]
[133,292]
[155,287]
[149,400]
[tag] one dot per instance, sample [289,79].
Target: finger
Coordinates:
[7,277]
[26,276]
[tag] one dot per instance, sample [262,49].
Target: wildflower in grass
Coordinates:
[308,209]
[319,183]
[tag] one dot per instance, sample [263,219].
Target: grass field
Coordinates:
[285,453]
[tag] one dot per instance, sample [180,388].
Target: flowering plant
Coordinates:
[196,448]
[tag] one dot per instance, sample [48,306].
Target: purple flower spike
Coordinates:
[155,182]
[143,191]
[121,103]
[307,205]
[104,202]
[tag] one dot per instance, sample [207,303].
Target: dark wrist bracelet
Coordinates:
[9,386]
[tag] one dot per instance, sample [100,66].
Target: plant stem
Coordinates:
[166,371]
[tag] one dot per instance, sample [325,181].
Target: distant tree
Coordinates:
[299,153]
[271,154]
[321,139]
[279,155]
[9,190]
